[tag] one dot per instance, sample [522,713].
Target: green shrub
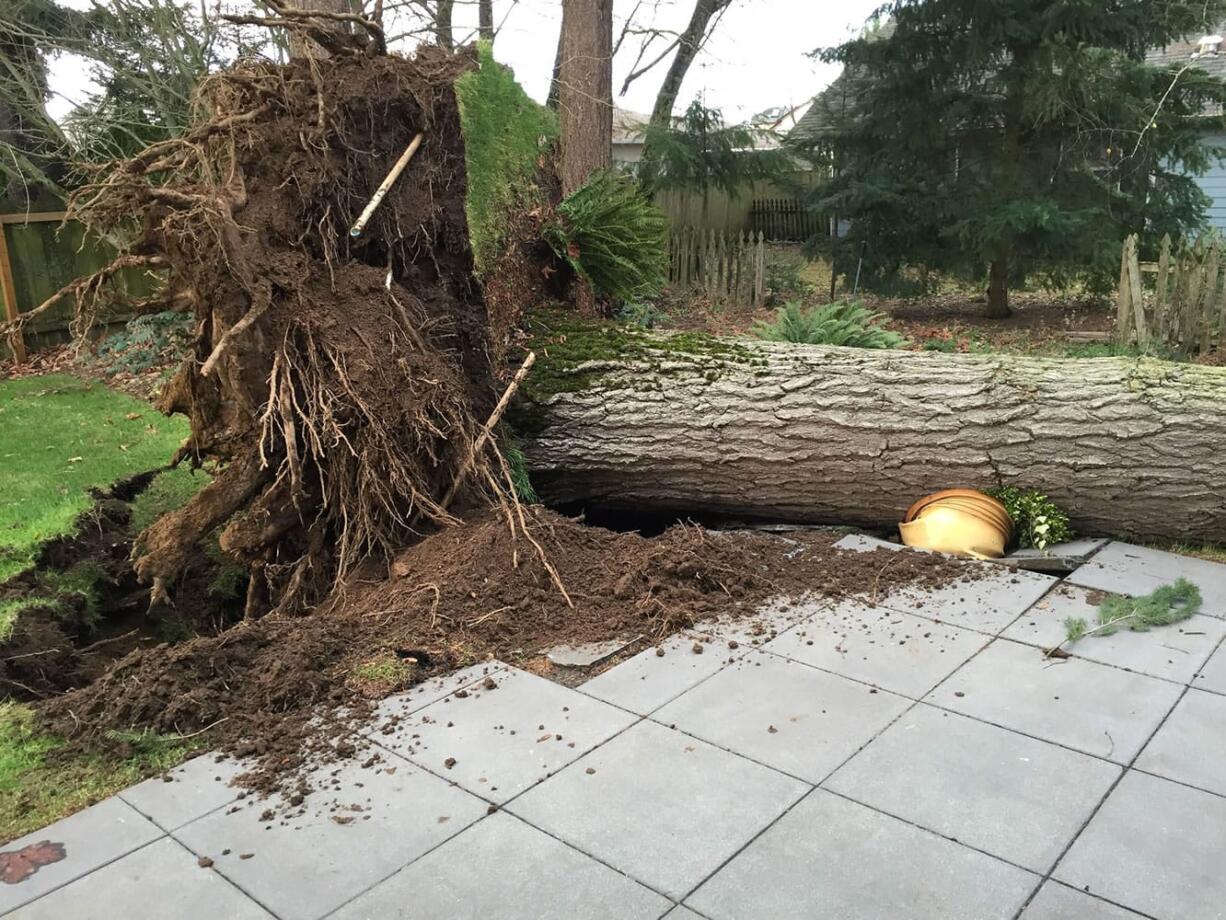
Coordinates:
[783,279]
[837,323]
[146,342]
[1038,522]
[612,236]
[645,315]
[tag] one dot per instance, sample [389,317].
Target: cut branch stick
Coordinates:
[479,443]
[382,190]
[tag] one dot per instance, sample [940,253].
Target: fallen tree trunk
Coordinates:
[1128,446]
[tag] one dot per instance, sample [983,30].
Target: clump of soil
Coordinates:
[281,689]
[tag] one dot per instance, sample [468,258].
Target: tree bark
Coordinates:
[299,45]
[585,91]
[1129,447]
[688,47]
[442,23]
[485,20]
[998,290]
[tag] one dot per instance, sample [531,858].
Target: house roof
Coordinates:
[1187,50]
[629,127]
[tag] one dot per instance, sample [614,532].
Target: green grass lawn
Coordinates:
[40,782]
[60,437]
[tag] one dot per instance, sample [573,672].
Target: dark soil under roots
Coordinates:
[281,690]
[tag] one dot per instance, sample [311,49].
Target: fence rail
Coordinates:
[1186,308]
[727,268]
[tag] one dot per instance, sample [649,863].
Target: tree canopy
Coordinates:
[1018,136]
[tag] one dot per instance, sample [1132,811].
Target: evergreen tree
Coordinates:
[1020,137]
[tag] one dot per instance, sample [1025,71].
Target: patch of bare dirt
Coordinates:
[279,690]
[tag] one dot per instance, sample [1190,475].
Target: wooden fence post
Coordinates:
[9,288]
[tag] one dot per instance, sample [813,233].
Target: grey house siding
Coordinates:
[1213,183]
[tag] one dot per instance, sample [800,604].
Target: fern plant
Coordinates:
[612,236]
[837,323]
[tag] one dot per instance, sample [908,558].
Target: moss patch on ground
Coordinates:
[41,780]
[59,438]
[506,133]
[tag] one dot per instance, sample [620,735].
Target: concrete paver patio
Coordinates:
[915,759]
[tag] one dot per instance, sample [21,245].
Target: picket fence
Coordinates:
[1186,307]
[727,268]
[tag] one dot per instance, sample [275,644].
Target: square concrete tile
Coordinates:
[343,839]
[1213,675]
[503,868]
[784,714]
[1190,747]
[1128,569]
[987,599]
[429,691]
[647,681]
[898,651]
[1156,847]
[1059,902]
[830,859]
[681,912]
[995,790]
[756,627]
[501,741]
[158,880]
[1086,706]
[1172,652]
[661,806]
[186,792]
[91,838]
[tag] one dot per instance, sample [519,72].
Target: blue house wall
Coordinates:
[1213,184]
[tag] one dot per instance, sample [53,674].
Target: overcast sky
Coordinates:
[756,60]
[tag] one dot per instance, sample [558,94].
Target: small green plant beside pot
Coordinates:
[1038,522]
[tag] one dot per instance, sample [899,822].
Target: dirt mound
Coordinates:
[283,688]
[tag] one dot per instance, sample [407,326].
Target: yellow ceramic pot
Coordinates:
[954,530]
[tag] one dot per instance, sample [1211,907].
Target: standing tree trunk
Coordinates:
[688,46]
[442,23]
[299,45]
[585,92]
[998,289]
[844,435]
[485,19]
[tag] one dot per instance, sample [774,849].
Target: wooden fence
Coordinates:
[784,219]
[728,268]
[1185,308]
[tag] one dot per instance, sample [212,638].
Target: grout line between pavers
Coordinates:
[500,807]
[831,773]
[12,912]
[1128,768]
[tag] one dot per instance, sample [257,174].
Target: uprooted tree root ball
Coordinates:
[340,379]
[280,688]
